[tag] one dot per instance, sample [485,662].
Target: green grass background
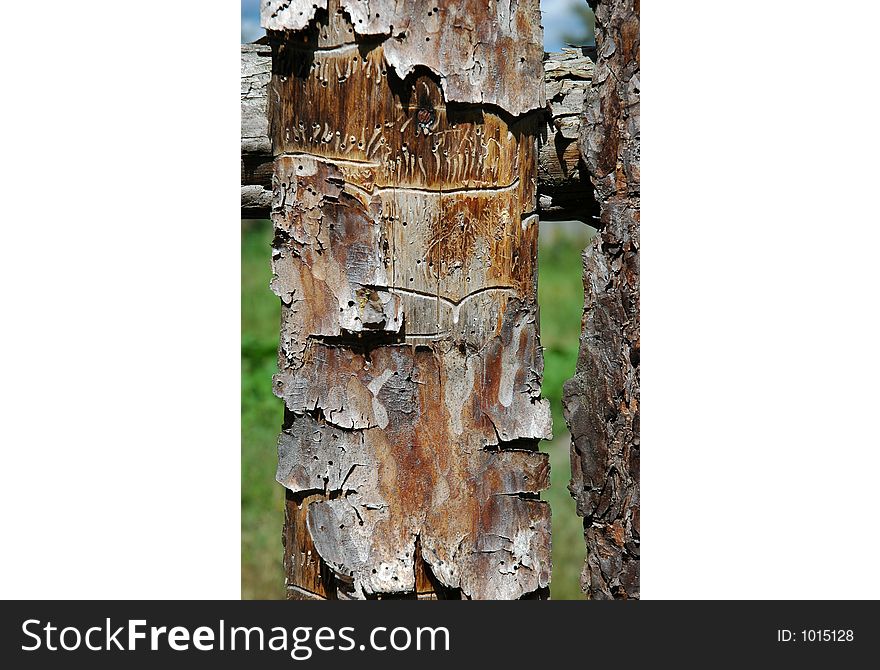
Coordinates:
[560,296]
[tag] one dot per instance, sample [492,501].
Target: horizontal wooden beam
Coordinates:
[256,150]
[564,190]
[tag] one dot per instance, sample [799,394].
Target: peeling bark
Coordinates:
[561,174]
[601,402]
[404,258]
[481,52]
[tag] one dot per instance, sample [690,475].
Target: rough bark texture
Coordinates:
[562,177]
[404,257]
[601,401]
[256,149]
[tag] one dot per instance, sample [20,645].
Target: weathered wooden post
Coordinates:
[404,137]
[602,399]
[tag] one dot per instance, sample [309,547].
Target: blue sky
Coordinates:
[557,18]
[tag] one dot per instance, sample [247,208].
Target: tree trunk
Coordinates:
[404,137]
[602,400]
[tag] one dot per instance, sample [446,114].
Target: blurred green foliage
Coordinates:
[561,303]
[582,19]
[262,500]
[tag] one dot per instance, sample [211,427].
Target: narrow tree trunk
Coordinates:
[602,399]
[404,137]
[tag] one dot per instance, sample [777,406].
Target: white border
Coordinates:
[120,275]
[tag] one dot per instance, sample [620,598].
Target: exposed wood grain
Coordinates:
[409,361]
[601,402]
[562,181]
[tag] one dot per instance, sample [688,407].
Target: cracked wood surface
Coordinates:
[561,174]
[404,257]
[601,402]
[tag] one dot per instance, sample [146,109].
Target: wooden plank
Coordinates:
[564,190]
[256,150]
[601,402]
[404,257]
[562,180]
